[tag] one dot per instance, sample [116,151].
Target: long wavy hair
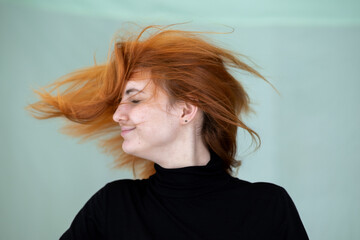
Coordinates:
[183,63]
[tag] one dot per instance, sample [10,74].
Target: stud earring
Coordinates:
[185,120]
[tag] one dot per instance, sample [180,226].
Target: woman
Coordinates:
[166,105]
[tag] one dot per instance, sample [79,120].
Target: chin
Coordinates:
[130,149]
[127,149]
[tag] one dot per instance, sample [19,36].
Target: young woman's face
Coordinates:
[147,125]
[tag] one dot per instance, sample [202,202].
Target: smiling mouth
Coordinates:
[126,131]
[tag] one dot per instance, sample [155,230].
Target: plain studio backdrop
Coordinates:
[308,49]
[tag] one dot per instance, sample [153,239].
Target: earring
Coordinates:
[185,120]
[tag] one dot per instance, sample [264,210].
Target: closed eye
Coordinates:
[135,101]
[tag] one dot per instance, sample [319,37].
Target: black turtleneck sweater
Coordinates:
[195,202]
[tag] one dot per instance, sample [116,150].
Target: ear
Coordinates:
[188,112]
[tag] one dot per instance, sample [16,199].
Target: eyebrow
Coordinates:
[133,90]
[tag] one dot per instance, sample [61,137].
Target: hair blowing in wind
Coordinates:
[185,65]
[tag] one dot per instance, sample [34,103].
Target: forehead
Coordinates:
[138,80]
[141,82]
[139,75]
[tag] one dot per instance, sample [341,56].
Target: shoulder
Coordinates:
[273,199]
[123,186]
[120,183]
[272,194]
[267,190]
[114,193]
[270,206]
[111,188]
[259,191]
[280,211]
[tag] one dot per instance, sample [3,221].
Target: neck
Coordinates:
[191,156]
[188,149]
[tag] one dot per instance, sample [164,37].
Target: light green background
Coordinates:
[308,49]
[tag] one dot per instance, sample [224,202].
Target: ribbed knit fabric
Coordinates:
[189,181]
[195,202]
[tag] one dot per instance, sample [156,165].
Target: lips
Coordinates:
[126,130]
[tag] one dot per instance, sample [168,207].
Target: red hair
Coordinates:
[183,64]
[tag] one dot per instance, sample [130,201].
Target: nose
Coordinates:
[121,113]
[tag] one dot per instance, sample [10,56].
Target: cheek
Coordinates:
[166,127]
[139,115]
[155,123]
[147,122]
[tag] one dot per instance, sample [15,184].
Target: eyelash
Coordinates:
[135,101]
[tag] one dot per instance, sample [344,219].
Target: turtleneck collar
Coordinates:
[189,181]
